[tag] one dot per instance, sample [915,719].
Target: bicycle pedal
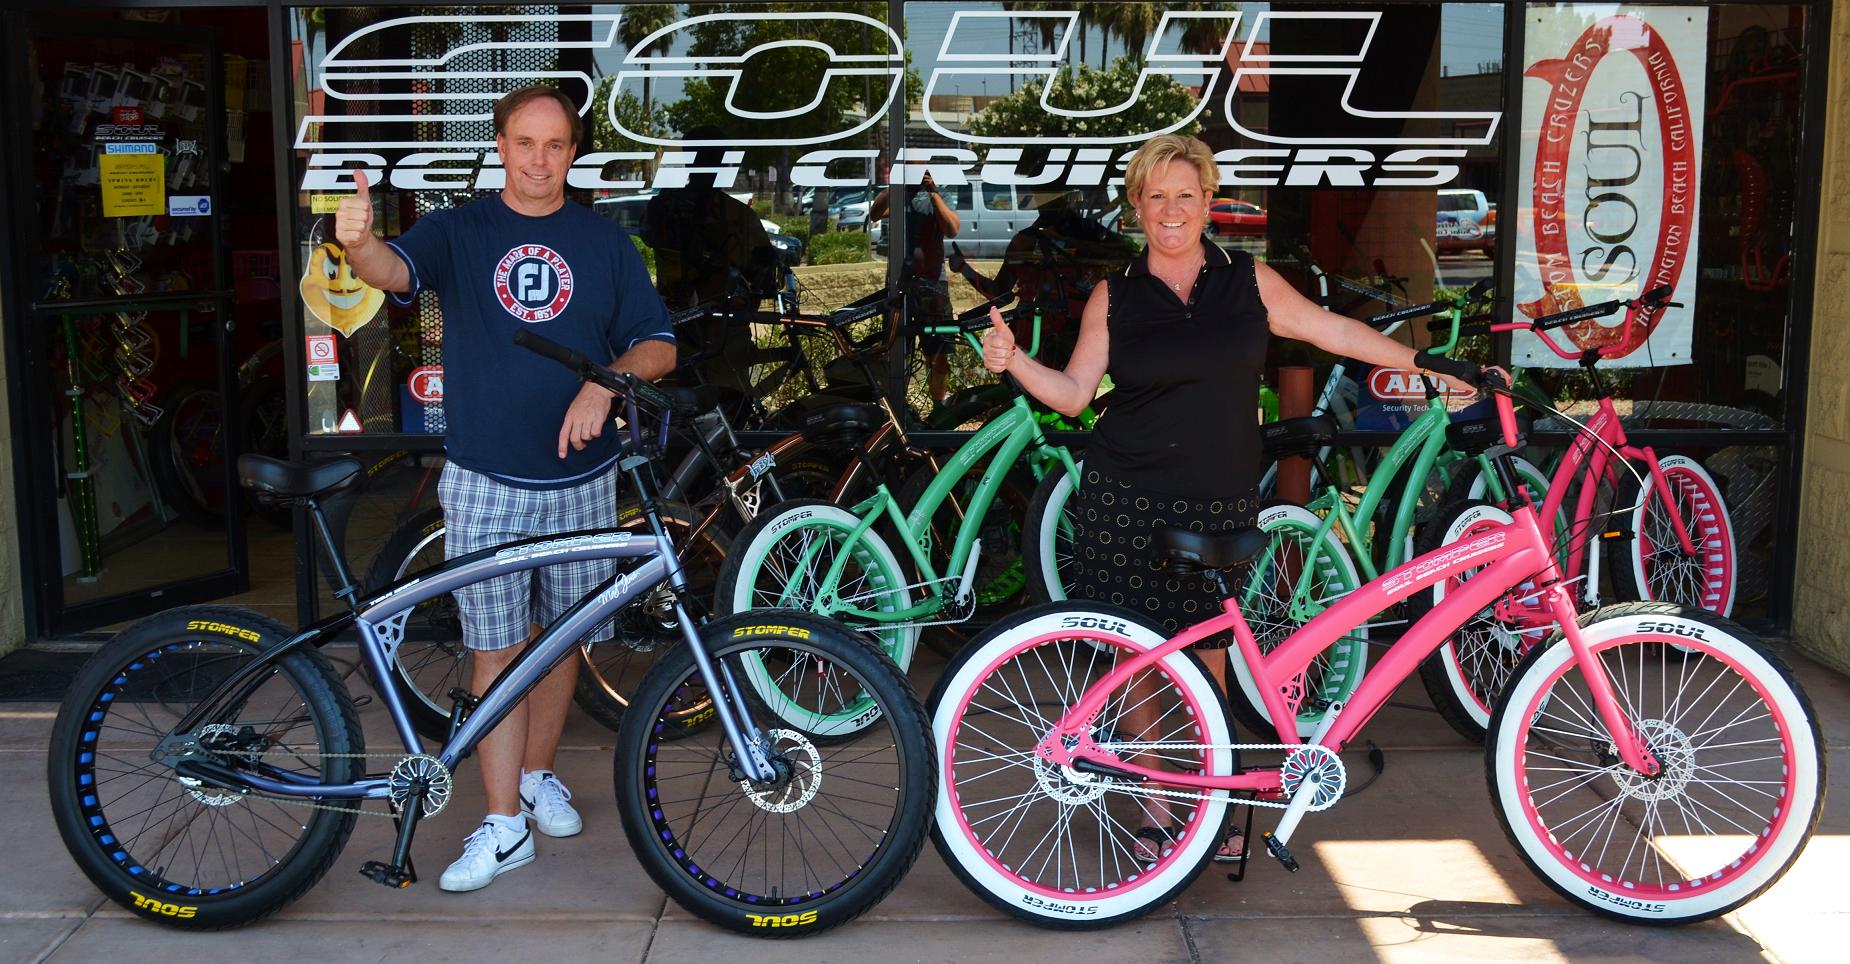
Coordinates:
[1277,849]
[397,878]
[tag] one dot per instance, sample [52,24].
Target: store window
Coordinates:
[733,173]
[1364,151]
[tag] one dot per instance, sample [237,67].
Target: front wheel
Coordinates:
[1743,776]
[1648,561]
[815,848]
[781,561]
[186,851]
[1050,845]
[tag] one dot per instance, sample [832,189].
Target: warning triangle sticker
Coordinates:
[349,422]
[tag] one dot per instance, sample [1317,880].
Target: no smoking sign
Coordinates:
[322,359]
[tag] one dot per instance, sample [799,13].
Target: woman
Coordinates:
[1183,332]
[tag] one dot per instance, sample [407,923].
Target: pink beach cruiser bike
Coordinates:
[1651,762]
[1661,519]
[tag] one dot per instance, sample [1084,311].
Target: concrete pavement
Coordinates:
[1414,868]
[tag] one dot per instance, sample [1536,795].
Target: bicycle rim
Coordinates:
[1660,569]
[196,840]
[809,694]
[1055,843]
[1734,802]
[779,845]
[1271,594]
[648,627]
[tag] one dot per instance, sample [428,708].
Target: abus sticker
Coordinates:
[390,101]
[1400,385]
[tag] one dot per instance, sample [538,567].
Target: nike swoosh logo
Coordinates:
[526,802]
[501,855]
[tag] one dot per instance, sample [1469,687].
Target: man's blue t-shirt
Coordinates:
[570,276]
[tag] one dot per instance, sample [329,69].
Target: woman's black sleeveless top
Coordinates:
[1183,418]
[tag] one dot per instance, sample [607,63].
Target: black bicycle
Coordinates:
[207,765]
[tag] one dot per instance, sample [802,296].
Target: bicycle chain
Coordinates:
[1200,796]
[309,804]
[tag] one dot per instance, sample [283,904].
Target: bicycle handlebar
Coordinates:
[625,386]
[1652,300]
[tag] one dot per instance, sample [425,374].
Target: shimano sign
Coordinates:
[419,122]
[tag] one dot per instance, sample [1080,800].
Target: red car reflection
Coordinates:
[1236,219]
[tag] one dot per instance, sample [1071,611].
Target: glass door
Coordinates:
[130,389]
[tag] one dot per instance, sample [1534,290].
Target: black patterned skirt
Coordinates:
[1112,523]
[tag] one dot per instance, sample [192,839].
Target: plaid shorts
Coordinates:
[479,512]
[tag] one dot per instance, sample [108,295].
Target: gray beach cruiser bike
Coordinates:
[207,765]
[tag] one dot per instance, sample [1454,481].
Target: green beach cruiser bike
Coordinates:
[207,765]
[833,560]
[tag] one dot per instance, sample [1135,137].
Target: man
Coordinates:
[929,221]
[526,450]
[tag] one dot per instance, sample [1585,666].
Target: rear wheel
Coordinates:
[780,561]
[184,851]
[1743,777]
[1050,845]
[1276,600]
[1466,674]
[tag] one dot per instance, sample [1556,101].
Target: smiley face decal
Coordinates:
[334,294]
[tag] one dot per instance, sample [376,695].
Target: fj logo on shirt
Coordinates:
[533,282]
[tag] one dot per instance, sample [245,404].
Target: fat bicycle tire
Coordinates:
[1645,560]
[987,759]
[773,565]
[1743,779]
[132,826]
[714,845]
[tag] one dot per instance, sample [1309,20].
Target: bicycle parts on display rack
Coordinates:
[1650,762]
[207,766]
[1658,523]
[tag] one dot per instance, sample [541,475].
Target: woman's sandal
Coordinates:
[1232,850]
[1153,843]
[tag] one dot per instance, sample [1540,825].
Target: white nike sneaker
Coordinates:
[543,800]
[492,850]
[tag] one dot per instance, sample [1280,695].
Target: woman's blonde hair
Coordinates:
[1171,147]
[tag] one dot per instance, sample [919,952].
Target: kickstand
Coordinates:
[1246,848]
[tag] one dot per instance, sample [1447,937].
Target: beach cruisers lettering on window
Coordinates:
[379,134]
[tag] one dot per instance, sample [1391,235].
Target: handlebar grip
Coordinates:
[1464,371]
[1499,387]
[547,348]
[1570,316]
[1658,293]
[1477,291]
